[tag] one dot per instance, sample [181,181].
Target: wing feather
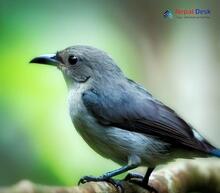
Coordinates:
[138,111]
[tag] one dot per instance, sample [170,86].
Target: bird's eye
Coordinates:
[72,59]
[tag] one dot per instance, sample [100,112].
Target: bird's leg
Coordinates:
[145,180]
[107,176]
[147,176]
[133,163]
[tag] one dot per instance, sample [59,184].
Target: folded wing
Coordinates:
[138,111]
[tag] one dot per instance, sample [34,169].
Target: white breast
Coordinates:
[84,122]
[74,99]
[86,125]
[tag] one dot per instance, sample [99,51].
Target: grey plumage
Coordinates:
[118,118]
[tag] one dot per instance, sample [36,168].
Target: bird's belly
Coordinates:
[99,140]
[118,144]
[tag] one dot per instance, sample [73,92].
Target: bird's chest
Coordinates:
[99,138]
[78,111]
[76,106]
[85,124]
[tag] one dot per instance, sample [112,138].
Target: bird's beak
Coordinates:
[48,59]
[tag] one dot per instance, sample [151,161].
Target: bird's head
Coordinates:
[81,63]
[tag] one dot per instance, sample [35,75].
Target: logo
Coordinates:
[195,12]
[168,14]
[187,13]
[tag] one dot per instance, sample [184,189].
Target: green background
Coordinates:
[176,59]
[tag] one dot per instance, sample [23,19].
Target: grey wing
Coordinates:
[139,112]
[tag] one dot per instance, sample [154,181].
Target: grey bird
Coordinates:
[121,120]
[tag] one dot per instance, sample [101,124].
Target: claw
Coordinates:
[85,179]
[133,175]
[116,183]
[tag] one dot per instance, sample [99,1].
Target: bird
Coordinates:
[119,119]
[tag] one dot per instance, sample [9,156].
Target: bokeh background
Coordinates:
[178,60]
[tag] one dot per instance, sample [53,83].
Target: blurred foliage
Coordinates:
[177,60]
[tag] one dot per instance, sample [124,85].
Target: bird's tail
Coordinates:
[215,152]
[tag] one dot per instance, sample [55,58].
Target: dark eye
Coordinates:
[72,60]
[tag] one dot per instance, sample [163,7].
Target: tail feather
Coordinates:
[215,152]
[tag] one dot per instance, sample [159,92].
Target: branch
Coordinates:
[201,175]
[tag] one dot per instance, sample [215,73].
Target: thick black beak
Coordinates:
[49,59]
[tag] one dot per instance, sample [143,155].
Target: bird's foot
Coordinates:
[143,185]
[116,183]
[130,176]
